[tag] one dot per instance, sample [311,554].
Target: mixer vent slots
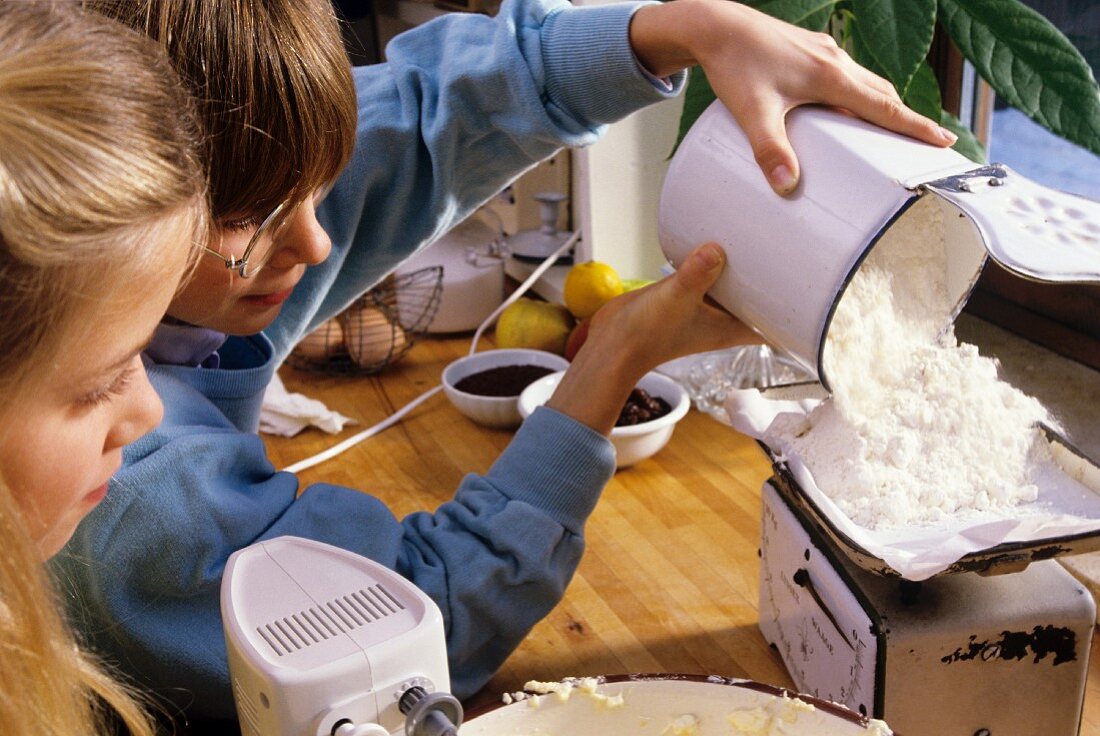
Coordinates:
[313,625]
[246,709]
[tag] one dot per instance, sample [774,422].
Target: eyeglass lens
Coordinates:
[263,241]
[262,244]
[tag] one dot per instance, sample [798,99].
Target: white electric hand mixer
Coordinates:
[323,642]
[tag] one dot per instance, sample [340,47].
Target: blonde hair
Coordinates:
[98,158]
[274,90]
[99,176]
[51,686]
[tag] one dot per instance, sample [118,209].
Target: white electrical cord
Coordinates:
[389,421]
[367,433]
[527,284]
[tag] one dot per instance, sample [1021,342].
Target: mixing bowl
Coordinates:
[493,411]
[679,705]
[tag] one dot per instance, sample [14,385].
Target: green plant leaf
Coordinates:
[967,144]
[812,15]
[923,95]
[923,92]
[1029,63]
[892,37]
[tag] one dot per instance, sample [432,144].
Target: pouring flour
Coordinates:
[910,450]
[919,428]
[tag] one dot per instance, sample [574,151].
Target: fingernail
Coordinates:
[710,255]
[947,135]
[782,179]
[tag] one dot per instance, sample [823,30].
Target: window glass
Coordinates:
[1028,147]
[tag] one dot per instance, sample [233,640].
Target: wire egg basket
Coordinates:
[376,330]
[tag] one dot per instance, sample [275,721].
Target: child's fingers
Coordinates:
[713,327]
[767,133]
[879,103]
[866,77]
[701,268]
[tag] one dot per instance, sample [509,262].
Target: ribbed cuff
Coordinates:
[591,71]
[557,464]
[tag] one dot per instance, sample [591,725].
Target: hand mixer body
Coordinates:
[318,636]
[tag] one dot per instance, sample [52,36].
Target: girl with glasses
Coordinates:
[462,106]
[102,202]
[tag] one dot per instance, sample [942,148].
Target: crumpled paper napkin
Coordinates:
[286,414]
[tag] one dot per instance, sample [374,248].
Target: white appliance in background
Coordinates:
[323,642]
[535,246]
[473,274]
[474,256]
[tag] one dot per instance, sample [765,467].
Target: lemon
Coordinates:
[529,323]
[588,286]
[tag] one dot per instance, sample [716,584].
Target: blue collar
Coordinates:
[186,345]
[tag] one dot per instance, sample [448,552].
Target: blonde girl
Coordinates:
[102,207]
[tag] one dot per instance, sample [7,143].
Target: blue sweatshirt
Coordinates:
[463,105]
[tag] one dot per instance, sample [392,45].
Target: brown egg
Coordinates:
[371,338]
[326,341]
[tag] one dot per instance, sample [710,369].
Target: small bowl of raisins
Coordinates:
[645,422]
[486,386]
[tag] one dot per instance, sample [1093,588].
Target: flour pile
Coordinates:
[919,429]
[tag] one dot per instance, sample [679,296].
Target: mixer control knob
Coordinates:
[430,714]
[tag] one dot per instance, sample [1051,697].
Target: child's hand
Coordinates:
[761,68]
[636,332]
[669,319]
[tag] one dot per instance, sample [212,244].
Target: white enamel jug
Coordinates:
[790,258]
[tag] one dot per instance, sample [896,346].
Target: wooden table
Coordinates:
[669,579]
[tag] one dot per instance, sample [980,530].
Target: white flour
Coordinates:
[919,428]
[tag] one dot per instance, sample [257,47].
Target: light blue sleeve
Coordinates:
[463,105]
[142,575]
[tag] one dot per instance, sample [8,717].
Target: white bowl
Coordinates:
[664,704]
[632,443]
[493,411]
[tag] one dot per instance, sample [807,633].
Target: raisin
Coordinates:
[641,407]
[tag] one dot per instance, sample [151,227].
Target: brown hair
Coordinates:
[99,179]
[274,89]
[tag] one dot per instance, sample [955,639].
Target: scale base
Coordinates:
[958,655]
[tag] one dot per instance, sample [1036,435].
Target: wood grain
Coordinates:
[668,582]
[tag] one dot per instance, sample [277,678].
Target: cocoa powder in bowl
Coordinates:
[504,380]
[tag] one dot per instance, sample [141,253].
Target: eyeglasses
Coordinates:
[259,249]
[262,243]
